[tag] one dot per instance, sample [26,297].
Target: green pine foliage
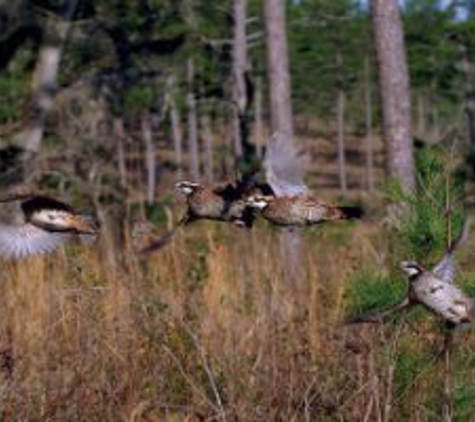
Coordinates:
[13,88]
[317,29]
[432,217]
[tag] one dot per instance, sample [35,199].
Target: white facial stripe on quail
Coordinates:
[412,270]
[58,218]
[186,190]
[28,240]
[257,202]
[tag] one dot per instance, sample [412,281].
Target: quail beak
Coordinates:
[83,224]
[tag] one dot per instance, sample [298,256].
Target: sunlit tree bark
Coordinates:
[150,158]
[239,73]
[369,126]
[43,87]
[278,69]
[281,118]
[394,87]
[340,123]
[207,136]
[175,121]
[192,123]
[119,134]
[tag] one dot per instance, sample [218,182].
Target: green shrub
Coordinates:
[427,220]
[370,292]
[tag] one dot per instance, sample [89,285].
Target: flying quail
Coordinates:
[435,290]
[291,203]
[33,224]
[219,203]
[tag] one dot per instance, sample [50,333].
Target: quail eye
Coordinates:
[52,217]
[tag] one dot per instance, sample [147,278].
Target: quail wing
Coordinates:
[28,240]
[285,168]
[445,270]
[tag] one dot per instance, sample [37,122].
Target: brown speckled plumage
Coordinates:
[299,211]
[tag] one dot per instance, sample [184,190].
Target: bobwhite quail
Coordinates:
[435,290]
[34,224]
[220,203]
[291,203]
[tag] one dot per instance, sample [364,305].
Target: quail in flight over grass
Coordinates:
[291,203]
[33,224]
[219,203]
[435,290]
[225,203]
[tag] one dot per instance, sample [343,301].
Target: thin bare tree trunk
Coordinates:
[421,115]
[119,134]
[43,87]
[369,128]
[469,88]
[192,122]
[207,136]
[281,122]
[239,73]
[175,121]
[340,113]
[259,125]
[278,69]
[394,87]
[150,158]
[341,141]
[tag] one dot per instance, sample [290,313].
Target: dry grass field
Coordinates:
[207,329]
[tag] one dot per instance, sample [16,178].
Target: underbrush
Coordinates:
[210,328]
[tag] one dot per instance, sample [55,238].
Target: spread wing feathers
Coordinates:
[285,168]
[445,269]
[27,240]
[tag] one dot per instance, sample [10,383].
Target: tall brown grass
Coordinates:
[207,329]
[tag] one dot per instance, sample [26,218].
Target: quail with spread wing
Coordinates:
[216,203]
[291,203]
[225,203]
[434,289]
[33,224]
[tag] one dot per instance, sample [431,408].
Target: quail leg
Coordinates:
[377,317]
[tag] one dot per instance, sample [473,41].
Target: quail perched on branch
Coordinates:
[291,203]
[32,224]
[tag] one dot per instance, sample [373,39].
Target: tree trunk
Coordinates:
[150,158]
[239,73]
[175,121]
[192,123]
[341,140]
[259,125]
[119,135]
[421,116]
[369,128]
[394,87]
[281,123]
[278,69]
[43,87]
[469,88]
[340,122]
[207,136]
